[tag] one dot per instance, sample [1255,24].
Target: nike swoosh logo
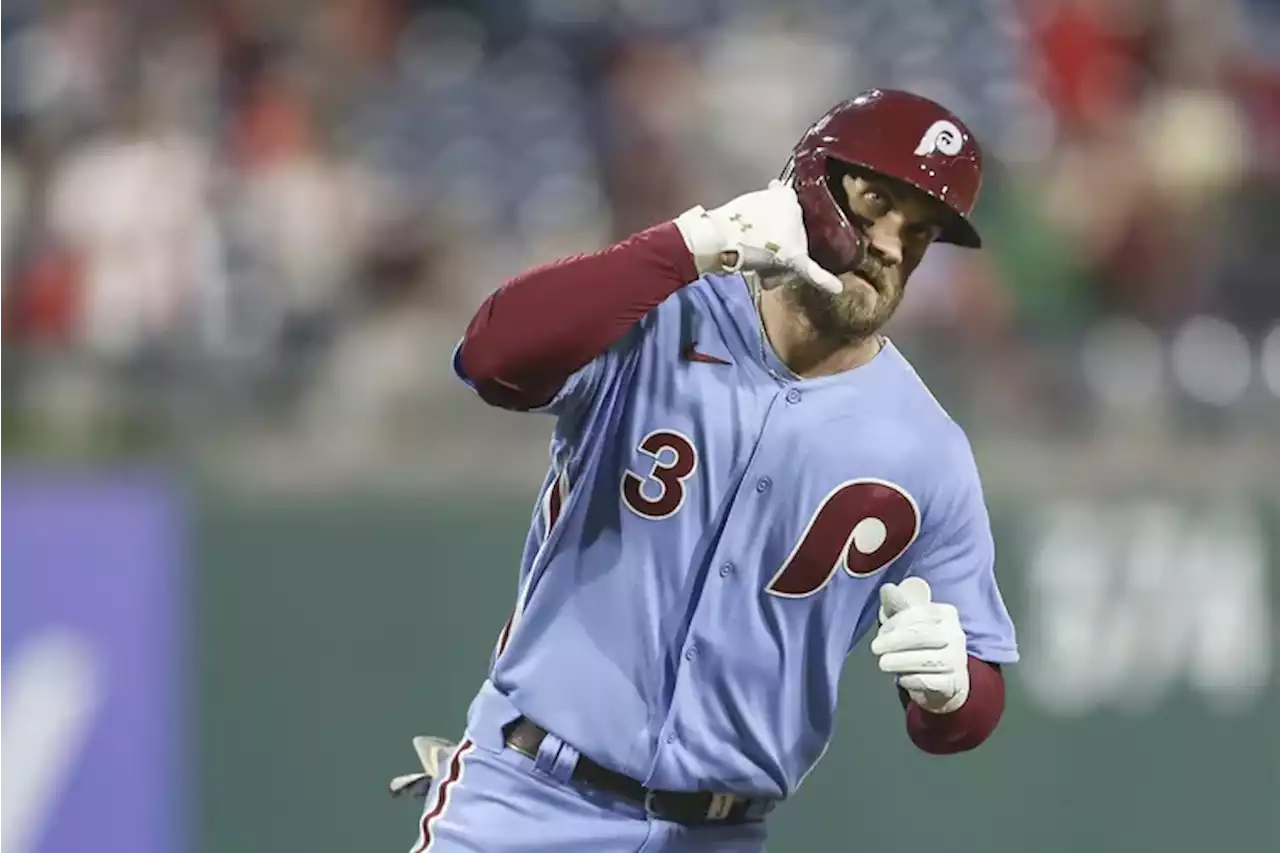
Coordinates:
[691,353]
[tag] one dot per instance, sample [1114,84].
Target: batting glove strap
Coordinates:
[923,643]
[704,240]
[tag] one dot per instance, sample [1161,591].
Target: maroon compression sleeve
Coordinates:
[967,727]
[535,331]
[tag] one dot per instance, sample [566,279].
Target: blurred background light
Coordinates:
[1211,360]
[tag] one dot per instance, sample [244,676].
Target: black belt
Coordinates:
[691,808]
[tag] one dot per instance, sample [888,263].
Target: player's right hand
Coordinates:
[762,230]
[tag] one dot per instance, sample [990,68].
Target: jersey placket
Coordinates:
[755,483]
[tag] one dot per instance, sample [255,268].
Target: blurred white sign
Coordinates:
[52,688]
[1129,602]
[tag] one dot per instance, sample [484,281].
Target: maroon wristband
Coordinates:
[970,724]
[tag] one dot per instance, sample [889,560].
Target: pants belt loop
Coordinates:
[566,760]
[721,805]
[548,753]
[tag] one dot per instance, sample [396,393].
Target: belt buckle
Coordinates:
[720,807]
[517,748]
[515,741]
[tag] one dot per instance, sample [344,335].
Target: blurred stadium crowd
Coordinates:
[270,219]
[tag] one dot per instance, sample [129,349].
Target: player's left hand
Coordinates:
[921,641]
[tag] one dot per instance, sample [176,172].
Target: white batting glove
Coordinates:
[762,230]
[431,752]
[921,641]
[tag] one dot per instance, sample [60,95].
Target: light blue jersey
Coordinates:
[710,542]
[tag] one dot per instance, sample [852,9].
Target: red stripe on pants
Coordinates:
[436,811]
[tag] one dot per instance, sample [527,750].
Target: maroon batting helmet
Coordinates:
[894,133]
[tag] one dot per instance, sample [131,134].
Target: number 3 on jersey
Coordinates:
[861,525]
[674,460]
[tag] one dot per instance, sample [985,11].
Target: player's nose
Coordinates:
[885,240]
[887,251]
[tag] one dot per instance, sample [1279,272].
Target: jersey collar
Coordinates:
[739,297]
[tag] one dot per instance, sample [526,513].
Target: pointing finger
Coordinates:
[893,600]
[808,268]
[917,590]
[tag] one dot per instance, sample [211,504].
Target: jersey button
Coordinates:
[793,396]
[763,484]
[726,570]
[671,738]
[691,653]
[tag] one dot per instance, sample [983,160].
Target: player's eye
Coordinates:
[876,202]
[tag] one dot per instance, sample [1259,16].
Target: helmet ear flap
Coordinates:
[834,242]
[835,172]
[787,178]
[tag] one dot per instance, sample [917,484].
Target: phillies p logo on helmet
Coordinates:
[942,136]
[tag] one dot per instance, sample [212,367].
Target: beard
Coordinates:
[852,315]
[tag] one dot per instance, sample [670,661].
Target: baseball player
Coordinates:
[746,478]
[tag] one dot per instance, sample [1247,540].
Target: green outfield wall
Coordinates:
[1146,716]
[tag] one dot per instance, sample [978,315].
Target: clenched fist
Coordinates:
[761,230]
[921,641]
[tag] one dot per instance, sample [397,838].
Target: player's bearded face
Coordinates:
[898,223]
[871,295]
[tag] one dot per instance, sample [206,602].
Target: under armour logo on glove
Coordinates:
[942,136]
